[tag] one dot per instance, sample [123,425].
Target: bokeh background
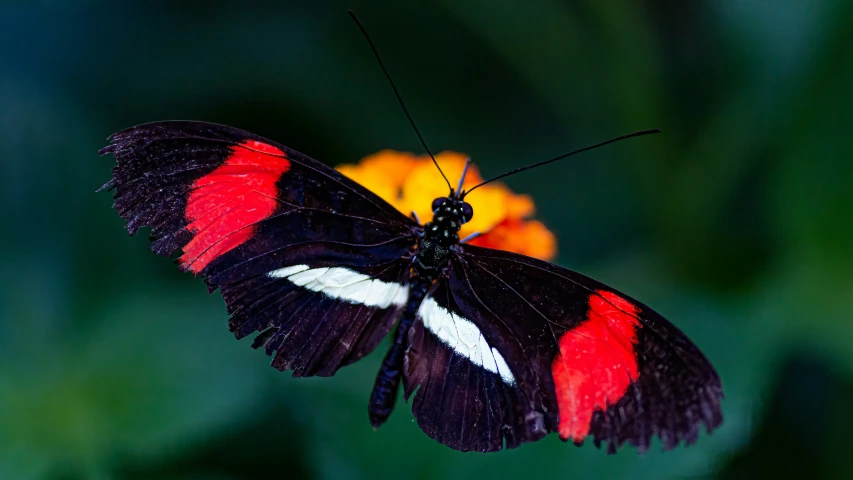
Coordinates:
[735,223]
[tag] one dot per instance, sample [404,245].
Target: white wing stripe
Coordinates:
[464,338]
[344,284]
[287,271]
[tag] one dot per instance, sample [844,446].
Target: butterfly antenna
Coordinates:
[565,155]
[399,97]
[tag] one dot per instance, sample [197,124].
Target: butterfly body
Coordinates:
[435,243]
[493,349]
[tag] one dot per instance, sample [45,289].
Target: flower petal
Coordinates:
[383,173]
[527,237]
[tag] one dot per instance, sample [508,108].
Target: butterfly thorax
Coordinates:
[439,235]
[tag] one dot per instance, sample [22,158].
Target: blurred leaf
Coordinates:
[131,387]
[813,202]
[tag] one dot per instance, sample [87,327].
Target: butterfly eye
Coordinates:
[467,212]
[437,203]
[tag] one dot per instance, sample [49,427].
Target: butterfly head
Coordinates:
[451,212]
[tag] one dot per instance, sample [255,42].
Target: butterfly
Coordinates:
[494,349]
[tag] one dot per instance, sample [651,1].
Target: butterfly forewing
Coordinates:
[302,254]
[317,319]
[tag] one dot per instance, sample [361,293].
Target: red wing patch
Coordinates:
[225,205]
[596,363]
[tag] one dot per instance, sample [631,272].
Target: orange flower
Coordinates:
[410,183]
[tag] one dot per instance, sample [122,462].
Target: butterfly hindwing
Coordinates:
[468,397]
[303,255]
[317,319]
[585,360]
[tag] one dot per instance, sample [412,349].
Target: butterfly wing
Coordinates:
[508,348]
[469,393]
[309,258]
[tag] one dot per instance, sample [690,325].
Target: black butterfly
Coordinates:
[497,348]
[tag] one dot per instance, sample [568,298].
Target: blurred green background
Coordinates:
[735,223]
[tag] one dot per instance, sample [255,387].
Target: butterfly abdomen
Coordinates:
[384,394]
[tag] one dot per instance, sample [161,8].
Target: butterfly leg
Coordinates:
[470,237]
[464,172]
[415,216]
